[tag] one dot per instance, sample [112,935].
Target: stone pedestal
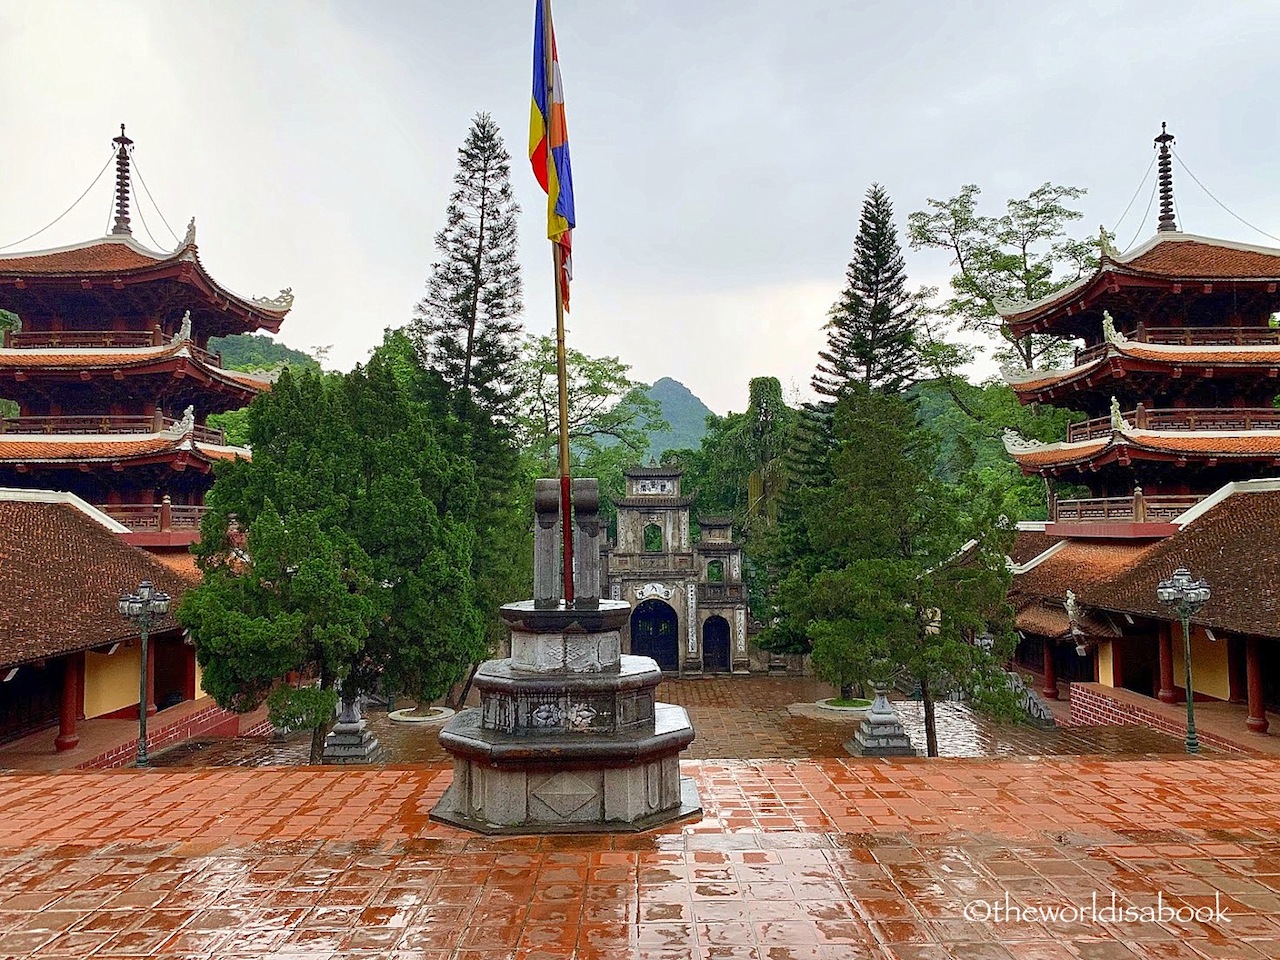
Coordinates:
[569,736]
[880,735]
[350,741]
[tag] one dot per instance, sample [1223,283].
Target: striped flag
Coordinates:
[547,131]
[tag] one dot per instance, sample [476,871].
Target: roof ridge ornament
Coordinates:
[190,239]
[184,426]
[1105,249]
[1015,442]
[1118,423]
[281,301]
[1109,332]
[184,331]
[1167,223]
[121,227]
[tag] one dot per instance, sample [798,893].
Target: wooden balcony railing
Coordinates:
[1135,509]
[1191,337]
[156,516]
[1181,418]
[72,426]
[722,592]
[100,340]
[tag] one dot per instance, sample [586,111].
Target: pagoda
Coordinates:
[1178,368]
[113,377]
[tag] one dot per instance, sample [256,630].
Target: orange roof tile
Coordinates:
[1053,454]
[79,358]
[181,562]
[106,255]
[92,567]
[30,448]
[1199,260]
[1182,353]
[1078,565]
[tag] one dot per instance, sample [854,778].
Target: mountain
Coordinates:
[686,414]
[254,351]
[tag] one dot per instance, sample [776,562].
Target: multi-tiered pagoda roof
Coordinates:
[1177,373]
[112,371]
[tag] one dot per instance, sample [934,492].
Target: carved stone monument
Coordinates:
[569,736]
[880,734]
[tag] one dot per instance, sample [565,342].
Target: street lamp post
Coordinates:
[1185,596]
[144,608]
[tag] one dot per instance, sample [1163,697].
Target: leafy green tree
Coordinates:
[340,553]
[257,352]
[606,408]
[467,328]
[9,321]
[871,330]
[1023,255]
[903,573]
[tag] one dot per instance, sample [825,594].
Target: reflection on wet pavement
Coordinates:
[794,860]
[739,718]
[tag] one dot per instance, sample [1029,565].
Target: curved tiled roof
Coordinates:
[106,255]
[1199,443]
[92,567]
[1169,256]
[1160,354]
[124,358]
[122,257]
[1235,546]
[20,448]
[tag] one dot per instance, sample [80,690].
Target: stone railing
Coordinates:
[79,425]
[722,592]
[1185,418]
[1135,509]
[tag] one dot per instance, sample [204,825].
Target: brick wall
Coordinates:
[212,721]
[1091,703]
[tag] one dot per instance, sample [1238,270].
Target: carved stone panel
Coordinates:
[691,619]
[649,591]
[741,625]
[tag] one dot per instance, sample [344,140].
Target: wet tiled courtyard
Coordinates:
[828,859]
[739,719]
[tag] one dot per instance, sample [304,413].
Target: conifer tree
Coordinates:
[871,330]
[467,328]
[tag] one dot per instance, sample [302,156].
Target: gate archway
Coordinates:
[655,633]
[715,645]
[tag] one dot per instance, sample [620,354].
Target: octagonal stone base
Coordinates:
[508,783]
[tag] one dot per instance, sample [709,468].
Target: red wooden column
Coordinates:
[1257,721]
[1167,692]
[69,707]
[1050,689]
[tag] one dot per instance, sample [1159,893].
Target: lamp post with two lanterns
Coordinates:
[144,608]
[1185,596]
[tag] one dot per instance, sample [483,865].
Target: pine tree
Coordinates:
[871,330]
[467,328]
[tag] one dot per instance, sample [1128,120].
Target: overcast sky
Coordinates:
[721,148]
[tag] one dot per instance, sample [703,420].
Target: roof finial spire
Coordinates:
[122,185]
[1166,181]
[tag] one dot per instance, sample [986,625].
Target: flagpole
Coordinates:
[562,376]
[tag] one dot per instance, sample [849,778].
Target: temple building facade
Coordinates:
[1176,373]
[113,377]
[688,597]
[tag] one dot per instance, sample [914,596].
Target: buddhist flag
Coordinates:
[547,132]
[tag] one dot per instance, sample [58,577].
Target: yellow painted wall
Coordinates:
[199,677]
[1106,666]
[1209,672]
[110,682]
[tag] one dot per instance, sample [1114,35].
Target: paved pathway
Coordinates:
[827,859]
[740,718]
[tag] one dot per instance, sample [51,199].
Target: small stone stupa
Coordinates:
[569,736]
[881,733]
